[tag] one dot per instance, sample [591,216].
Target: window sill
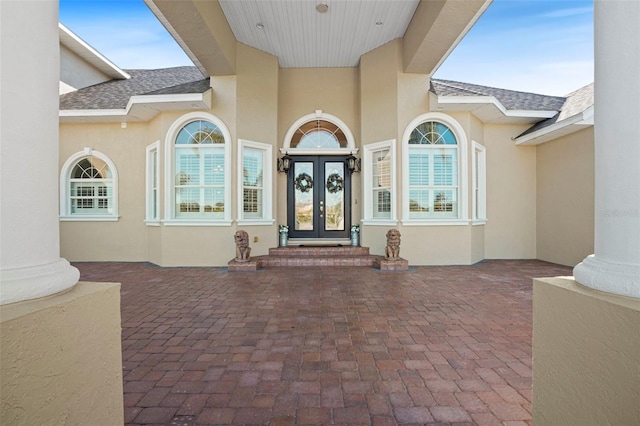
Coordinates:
[196,222]
[256,222]
[87,218]
[379,222]
[152,222]
[435,222]
[477,222]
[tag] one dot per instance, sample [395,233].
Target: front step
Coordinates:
[318,251]
[305,256]
[296,256]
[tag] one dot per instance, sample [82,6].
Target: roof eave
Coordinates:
[489,109]
[89,54]
[554,131]
[139,108]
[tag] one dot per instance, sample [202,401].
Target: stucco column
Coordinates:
[615,266]
[30,263]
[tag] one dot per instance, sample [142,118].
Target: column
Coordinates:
[30,263]
[615,265]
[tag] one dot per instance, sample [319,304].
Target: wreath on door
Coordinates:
[303,182]
[335,183]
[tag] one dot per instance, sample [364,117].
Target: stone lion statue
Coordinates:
[242,246]
[392,251]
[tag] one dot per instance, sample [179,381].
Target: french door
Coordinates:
[319,197]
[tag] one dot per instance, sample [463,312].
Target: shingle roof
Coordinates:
[511,99]
[575,103]
[115,94]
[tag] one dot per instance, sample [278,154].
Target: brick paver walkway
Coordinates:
[446,345]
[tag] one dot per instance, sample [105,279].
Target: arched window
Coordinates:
[318,134]
[198,171]
[88,183]
[434,170]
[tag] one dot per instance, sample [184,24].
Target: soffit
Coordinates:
[299,36]
[89,54]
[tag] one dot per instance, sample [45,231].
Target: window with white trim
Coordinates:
[198,171]
[379,183]
[434,171]
[88,187]
[255,177]
[479,182]
[152,184]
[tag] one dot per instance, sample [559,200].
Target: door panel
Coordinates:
[319,197]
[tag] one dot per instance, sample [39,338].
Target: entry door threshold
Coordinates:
[319,242]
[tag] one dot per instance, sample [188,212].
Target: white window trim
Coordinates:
[319,115]
[479,180]
[65,198]
[149,175]
[169,164]
[267,179]
[463,173]
[367,169]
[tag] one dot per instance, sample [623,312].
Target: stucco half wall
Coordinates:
[62,358]
[586,355]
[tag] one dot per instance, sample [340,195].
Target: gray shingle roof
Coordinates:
[115,94]
[575,103]
[511,99]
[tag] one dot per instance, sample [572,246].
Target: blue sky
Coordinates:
[529,45]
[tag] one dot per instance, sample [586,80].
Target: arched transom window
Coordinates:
[200,171]
[318,134]
[433,172]
[88,187]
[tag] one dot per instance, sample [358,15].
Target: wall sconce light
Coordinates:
[284,163]
[353,164]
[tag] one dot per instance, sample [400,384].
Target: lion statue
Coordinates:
[242,246]
[392,251]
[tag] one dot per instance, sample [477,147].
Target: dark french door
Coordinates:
[319,197]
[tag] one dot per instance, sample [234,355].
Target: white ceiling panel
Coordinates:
[301,37]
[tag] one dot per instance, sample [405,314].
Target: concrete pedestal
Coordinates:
[62,358]
[586,352]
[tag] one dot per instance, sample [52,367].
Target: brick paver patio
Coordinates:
[445,345]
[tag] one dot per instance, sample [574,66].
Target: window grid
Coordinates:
[90,187]
[433,172]
[200,176]
[252,181]
[381,176]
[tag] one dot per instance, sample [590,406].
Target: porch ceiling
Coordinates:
[302,37]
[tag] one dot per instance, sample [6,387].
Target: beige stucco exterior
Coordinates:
[62,359]
[585,350]
[376,101]
[564,204]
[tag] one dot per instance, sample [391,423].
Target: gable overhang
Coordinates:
[202,31]
[562,128]
[487,109]
[141,108]
[436,29]
[89,54]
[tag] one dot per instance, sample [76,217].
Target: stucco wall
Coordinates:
[565,198]
[510,232]
[62,359]
[76,72]
[126,238]
[586,368]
